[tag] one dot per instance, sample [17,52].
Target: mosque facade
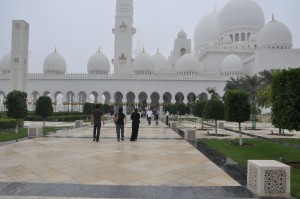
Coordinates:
[232,42]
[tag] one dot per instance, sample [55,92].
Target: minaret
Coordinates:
[19,55]
[123,32]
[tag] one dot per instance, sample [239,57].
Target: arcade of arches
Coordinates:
[71,101]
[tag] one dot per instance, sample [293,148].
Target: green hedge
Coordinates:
[63,118]
[8,123]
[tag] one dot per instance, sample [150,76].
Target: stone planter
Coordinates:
[268,178]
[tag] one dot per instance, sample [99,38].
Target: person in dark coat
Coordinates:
[135,117]
[96,121]
[120,124]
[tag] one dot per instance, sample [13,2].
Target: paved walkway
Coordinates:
[68,164]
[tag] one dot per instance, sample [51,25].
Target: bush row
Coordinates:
[64,118]
[8,123]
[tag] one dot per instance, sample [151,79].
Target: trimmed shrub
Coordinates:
[8,123]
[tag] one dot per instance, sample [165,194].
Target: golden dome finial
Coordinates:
[143,49]
[55,49]
[273,17]
[99,50]
[158,51]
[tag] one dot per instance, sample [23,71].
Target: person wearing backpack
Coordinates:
[120,122]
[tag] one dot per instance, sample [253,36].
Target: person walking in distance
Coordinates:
[135,117]
[149,115]
[167,118]
[96,121]
[120,124]
[156,116]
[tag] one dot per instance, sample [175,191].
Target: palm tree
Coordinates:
[233,84]
[265,92]
[251,85]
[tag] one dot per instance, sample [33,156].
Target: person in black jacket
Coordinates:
[135,117]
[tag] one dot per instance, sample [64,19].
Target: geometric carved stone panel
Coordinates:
[275,182]
[190,134]
[253,177]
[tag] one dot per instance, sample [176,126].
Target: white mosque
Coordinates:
[228,43]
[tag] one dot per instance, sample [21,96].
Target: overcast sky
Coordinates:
[78,27]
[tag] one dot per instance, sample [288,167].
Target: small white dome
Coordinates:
[143,64]
[253,38]
[241,13]
[160,63]
[207,29]
[232,63]
[55,63]
[98,63]
[275,34]
[182,35]
[5,64]
[188,63]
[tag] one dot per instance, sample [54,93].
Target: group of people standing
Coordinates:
[149,114]
[120,122]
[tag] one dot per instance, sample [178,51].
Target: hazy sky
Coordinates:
[78,27]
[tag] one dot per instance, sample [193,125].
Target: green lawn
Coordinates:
[259,150]
[7,135]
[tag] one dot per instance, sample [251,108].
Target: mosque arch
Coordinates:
[47,93]
[130,97]
[107,97]
[182,52]
[167,98]
[143,101]
[243,37]
[191,97]
[248,36]
[118,96]
[58,101]
[80,100]
[70,99]
[155,101]
[237,37]
[203,96]
[81,97]
[94,97]
[179,97]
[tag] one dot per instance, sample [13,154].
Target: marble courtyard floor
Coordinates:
[68,164]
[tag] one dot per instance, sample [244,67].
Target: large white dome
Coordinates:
[98,64]
[232,64]
[276,35]
[55,63]
[143,64]
[240,13]
[207,29]
[161,63]
[5,64]
[188,63]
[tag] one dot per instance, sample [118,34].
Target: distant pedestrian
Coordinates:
[96,121]
[120,124]
[135,117]
[149,116]
[156,116]
[167,117]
